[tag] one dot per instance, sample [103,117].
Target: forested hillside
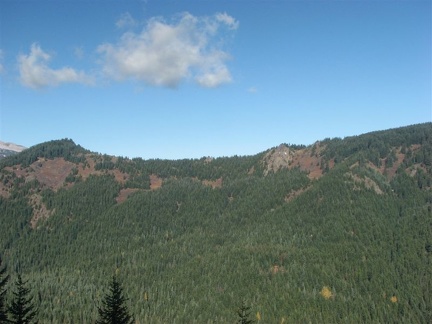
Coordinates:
[339,231]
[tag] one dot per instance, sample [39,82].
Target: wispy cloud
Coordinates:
[126,21]
[163,54]
[79,52]
[252,90]
[227,20]
[35,72]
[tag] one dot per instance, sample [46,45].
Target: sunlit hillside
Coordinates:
[339,231]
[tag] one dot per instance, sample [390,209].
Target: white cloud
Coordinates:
[126,20]
[35,73]
[228,20]
[214,78]
[163,54]
[252,90]
[79,52]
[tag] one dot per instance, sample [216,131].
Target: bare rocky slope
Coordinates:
[7,149]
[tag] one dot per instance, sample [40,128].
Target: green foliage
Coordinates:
[114,310]
[97,191]
[15,217]
[243,313]
[5,153]
[3,282]
[190,252]
[73,176]
[22,310]
[105,164]
[65,148]
[377,145]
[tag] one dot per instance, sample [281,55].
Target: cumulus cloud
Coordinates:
[35,73]
[163,54]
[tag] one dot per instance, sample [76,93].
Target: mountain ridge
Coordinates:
[335,231]
[11,146]
[7,149]
[52,168]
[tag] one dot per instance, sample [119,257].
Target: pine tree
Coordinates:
[3,281]
[22,310]
[244,313]
[114,310]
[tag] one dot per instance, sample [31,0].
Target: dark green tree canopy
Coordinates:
[244,314]
[348,217]
[3,281]
[114,310]
[22,310]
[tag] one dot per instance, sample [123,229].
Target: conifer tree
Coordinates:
[3,281]
[114,310]
[22,310]
[244,313]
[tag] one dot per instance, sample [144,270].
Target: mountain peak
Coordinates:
[11,147]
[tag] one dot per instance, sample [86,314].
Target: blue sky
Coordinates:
[187,79]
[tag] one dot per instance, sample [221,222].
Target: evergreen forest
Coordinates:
[335,232]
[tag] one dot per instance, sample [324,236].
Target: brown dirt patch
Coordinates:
[85,170]
[155,182]
[125,193]
[40,211]
[295,193]
[52,173]
[308,162]
[412,171]
[368,183]
[392,171]
[277,269]
[4,192]
[214,184]
[119,176]
[307,159]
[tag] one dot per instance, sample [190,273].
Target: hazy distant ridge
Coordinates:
[11,147]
